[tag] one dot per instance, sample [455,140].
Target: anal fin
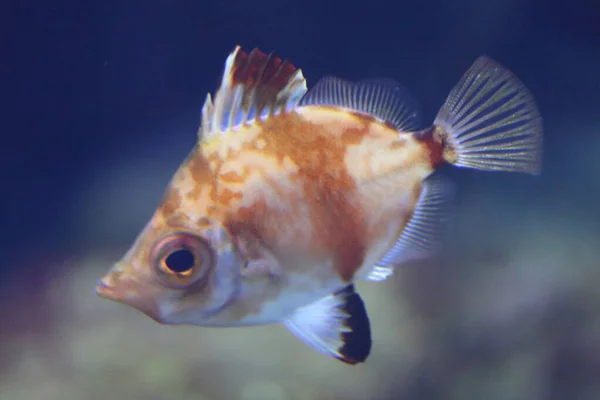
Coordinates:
[336,325]
[420,237]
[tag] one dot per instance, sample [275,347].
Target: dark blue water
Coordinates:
[102,102]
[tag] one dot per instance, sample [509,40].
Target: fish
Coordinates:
[290,196]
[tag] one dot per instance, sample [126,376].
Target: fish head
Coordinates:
[184,267]
[176,276]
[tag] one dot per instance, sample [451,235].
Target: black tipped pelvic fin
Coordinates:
[336,325]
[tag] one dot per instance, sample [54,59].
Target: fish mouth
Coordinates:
[117,290]
[106,291]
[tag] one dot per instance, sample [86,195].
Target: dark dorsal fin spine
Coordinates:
[253,86]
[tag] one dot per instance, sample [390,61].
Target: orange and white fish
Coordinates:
[291,195]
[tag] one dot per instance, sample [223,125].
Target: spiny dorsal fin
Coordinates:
[253,86]
[336,325]
[382,98]
[420,237]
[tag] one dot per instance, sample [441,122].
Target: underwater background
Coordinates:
[101,102]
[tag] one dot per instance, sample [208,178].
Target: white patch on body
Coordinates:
[299,290]
[386,180]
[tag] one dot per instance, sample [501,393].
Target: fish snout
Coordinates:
[113,286]
[122,286]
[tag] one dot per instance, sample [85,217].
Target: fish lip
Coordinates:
[105,291]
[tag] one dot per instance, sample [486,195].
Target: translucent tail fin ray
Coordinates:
[491,122]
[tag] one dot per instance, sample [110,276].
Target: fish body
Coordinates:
[291,195]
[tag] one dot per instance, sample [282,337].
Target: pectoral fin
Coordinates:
[336,325]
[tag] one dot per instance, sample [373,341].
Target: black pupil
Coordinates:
[180,261]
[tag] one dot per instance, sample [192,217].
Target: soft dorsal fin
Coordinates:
[336,325]
[254,86]
[420,237]
[382,98]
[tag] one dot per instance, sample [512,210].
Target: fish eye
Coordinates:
[181,259]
